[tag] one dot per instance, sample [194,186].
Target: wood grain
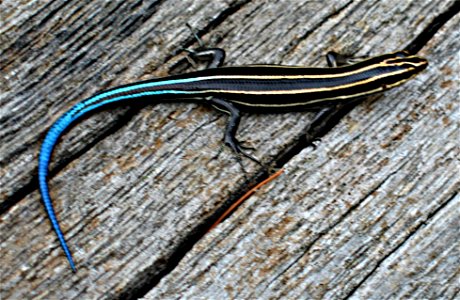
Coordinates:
[372,212]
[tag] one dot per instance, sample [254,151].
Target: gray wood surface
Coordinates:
[373,212]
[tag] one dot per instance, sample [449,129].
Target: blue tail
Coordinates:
[43,161]
[77,111]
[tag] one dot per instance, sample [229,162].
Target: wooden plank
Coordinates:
[136,193]
[372,213]
[426,266]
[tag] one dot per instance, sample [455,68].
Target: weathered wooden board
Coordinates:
[372,213]
[151,174]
